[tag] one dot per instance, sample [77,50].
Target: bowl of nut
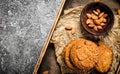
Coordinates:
[97,18]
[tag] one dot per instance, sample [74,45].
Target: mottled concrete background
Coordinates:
[24,25]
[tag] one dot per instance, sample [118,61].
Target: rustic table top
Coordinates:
[24,26]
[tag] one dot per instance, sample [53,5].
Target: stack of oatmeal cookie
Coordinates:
[83,56]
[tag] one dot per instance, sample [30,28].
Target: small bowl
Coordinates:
[103,8]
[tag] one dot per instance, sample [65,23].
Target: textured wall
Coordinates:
[24,25]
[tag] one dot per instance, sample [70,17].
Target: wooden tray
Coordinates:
[49,63]
[48,38]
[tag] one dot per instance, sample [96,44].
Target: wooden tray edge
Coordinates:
[48,37]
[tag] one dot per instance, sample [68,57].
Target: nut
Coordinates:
[104,20]
[98,10]
[89,21]
[91,25]
[89,15]
[95,28]
[99,27]
[94,17]
[101,14]
[102,24]
[95,12]
[105,15]
[97,22]
[68,27]
[73,31]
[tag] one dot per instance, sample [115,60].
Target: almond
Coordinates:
[89,21]
[68,27]
[73,31]
[98,22]
[95,12]
[99,27]
[105,15]
[95,28]
[101,14]
[94,17]
[91,25]
[89,15]
[98,10]
[104,20]
[102,24]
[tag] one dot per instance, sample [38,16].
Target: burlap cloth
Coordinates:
[61,37]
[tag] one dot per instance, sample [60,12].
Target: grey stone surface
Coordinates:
[24,25]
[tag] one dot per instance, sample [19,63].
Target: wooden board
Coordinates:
[48,38]
[49,62]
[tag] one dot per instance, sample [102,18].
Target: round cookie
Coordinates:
[66,55]
[84,54]
[105,58]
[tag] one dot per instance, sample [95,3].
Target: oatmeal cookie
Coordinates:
[105,58]
[84,54]
[65,55]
